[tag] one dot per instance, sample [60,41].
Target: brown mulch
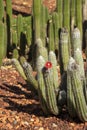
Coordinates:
[20,108]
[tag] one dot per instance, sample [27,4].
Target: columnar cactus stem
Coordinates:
[41,85]
[50,90]
[1,10]
[76,40]
[78,91]
[19,68]
[64,49]
[59,10]
[36,18]
[66,14]
[29,74]
[43,26]
[79,60]
[72,14]
[55,18]
[51,44]
[79,15]
[52,59]
[2,43]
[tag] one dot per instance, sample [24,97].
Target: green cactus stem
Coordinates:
[59,10]
[76,40]
[19,68]
[43,26]
[50,90]
[41,85]
[78,4]
[78,93]
[51,44]
[64,49]
[2,44]
[1,10]
[79,60]
[72,14]
[29,74]
[36,18]
[55,18]
[66,14]
[52,59]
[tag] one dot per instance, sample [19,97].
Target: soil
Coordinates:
[20,107]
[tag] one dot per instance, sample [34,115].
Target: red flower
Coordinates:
[48,65]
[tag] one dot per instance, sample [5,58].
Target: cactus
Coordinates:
[36,18]
[72,14]
[66,14]
[76,40]
[51,45]
[59,10]
[78,93]
[52,59]
[2,43]
[43,26]
[55,18]
[9,24]
[1,10]
[64,49]
[70,95]
[41,85]
[19,29]
[19,68]
[29,74]
[79,15]
[39,50]
[50,89]
[14,38]
[79,60]
[15,53]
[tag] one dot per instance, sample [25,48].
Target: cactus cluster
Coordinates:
[40,43]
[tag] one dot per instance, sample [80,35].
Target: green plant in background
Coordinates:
[64,49]
[59,10]
[2,43]
[78,4]
[9,20]
[36,11]
[43,26]
[51,44]
[55,18]
[1,10]
[72,14]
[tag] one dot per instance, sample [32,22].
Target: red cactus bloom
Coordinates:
[48,65]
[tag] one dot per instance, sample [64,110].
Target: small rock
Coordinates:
[41,128]
[54,125]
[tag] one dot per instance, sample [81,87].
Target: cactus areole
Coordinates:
[48,65]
